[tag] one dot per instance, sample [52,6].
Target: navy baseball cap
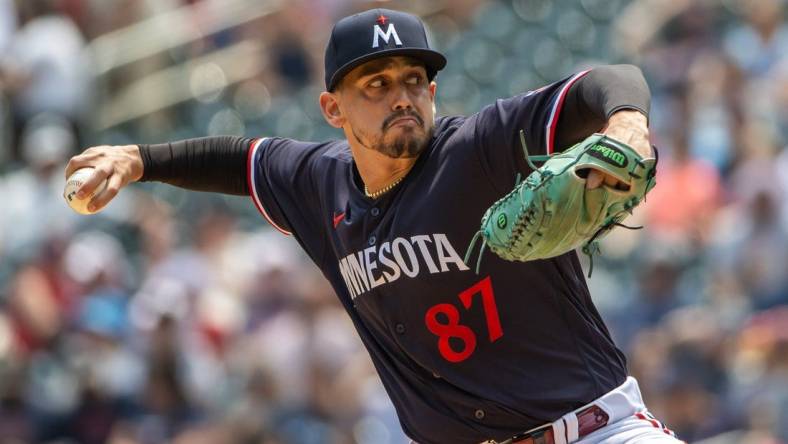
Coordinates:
[376,33]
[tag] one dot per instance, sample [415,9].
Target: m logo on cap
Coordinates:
[390,31]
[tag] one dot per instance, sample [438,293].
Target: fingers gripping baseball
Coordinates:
[118,165]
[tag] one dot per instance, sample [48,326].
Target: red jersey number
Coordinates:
[448,325]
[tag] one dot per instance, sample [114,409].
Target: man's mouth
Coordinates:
[405,119]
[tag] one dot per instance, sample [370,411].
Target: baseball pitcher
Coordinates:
[507,347]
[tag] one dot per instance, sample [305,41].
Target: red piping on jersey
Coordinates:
[552,122]
[252,192]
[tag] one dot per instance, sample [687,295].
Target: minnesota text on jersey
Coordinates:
[375,266]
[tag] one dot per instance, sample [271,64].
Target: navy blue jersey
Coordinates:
[465,357]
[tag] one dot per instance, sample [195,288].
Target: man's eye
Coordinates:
[413,80]
[377,83]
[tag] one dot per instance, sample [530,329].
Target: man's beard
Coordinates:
[408,144]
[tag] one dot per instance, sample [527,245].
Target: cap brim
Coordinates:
[433,60]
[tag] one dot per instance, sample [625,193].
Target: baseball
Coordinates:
[73,183]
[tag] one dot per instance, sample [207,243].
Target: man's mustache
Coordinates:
[400,114]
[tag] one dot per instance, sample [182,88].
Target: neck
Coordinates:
[377,170]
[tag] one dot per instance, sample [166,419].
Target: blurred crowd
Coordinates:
[182,317]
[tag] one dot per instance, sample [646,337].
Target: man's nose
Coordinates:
[402,99]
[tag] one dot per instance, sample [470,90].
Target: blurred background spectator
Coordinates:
[182,317]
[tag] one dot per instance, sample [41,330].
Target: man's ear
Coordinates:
[330,108]
[433,90]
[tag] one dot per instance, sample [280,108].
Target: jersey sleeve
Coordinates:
[496,129]
[281,183]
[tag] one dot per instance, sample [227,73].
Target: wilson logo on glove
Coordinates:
[609,154]
[551,212]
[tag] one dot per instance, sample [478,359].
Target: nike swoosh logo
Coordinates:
[338,218]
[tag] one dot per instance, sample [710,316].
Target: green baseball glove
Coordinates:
[551,211]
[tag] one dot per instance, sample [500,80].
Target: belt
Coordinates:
[589,420]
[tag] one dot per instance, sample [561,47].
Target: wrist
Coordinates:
[137,166]
[629,116]
[631,127]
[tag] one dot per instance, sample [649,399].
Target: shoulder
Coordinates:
[332,149]
[448,123]
[449,130]
[288,158]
